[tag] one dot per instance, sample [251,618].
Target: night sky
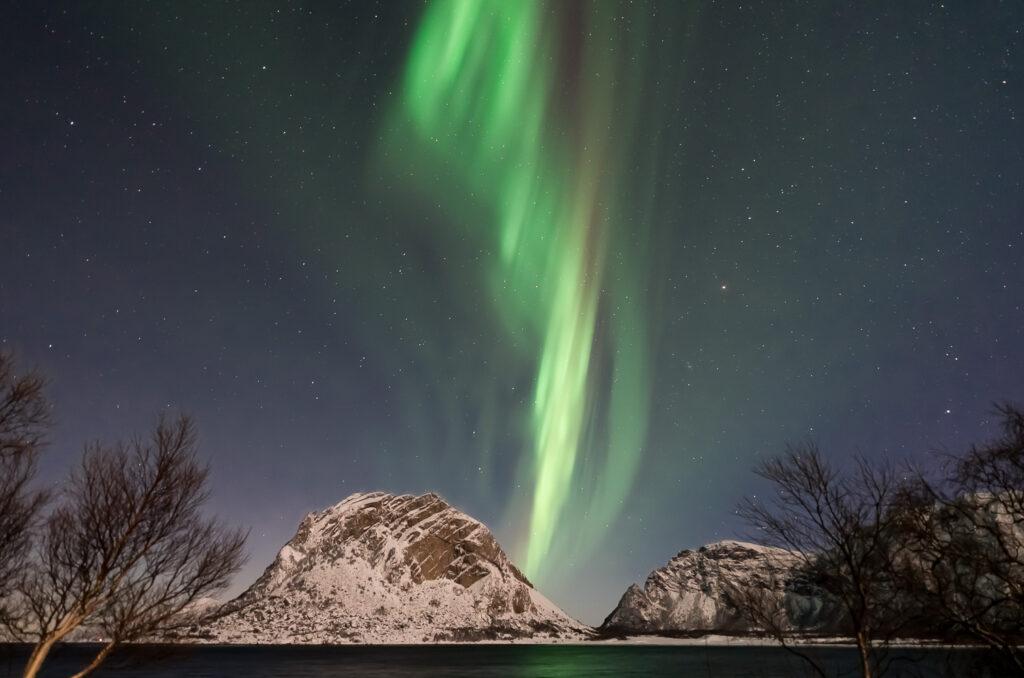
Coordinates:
[574,266]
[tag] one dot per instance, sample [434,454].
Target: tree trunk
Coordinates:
[42,649]
[38,656]
[863,647]
[97,660]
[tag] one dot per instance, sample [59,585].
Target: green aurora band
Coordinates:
[517,100]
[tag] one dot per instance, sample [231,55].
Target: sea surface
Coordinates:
[493,661]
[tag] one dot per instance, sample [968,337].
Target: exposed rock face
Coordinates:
[379,568]
[691,593]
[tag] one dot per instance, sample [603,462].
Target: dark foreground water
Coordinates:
[494,661]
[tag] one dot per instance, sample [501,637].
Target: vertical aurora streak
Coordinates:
[517,100]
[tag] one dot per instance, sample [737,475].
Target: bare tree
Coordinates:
[128,550]
[24,419]
[842,532]
[966,534]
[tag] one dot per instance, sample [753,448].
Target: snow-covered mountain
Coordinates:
[692,592]
[380,568]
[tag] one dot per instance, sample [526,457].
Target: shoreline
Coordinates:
[646,640]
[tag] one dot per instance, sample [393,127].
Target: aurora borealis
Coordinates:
[576,266]
[478,94]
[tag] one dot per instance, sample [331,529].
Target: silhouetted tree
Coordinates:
[965,532]
[127,549]
[842,531]
[24,419]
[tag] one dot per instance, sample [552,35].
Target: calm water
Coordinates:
[504,661]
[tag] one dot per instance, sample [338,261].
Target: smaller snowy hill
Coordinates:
[380,568]
[691,592]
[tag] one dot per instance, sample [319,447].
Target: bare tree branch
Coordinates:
[842,532]
[24,420]
[966,540]
[128,550]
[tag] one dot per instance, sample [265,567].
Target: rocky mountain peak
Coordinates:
[378,567]
[690,593]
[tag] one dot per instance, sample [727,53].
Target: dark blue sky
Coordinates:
[191,219]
